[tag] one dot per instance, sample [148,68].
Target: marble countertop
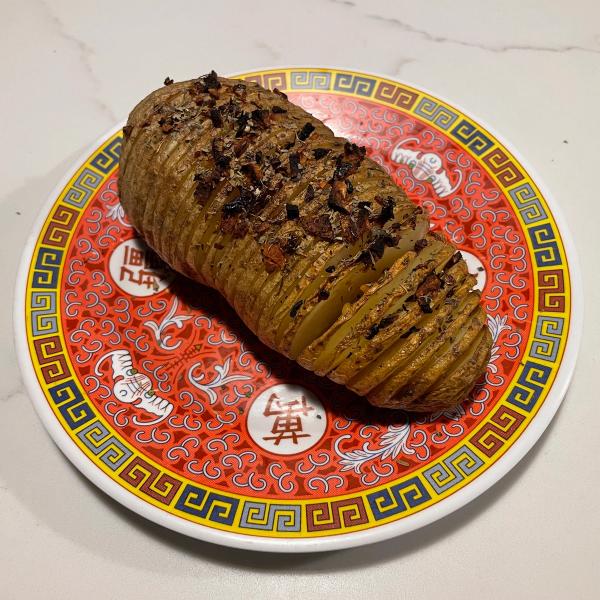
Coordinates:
[71,70]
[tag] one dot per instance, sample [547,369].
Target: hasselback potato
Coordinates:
[319,252]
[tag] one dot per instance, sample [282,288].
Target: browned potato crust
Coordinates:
[312,243]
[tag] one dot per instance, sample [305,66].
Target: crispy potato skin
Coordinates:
[323,257]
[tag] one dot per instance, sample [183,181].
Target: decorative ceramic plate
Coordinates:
[152,386]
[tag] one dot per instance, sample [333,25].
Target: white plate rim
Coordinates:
[347,540]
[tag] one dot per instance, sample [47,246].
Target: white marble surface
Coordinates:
[70,70]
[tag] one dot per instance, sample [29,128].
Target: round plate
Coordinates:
[152,386]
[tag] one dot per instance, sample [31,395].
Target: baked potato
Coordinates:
[319,252]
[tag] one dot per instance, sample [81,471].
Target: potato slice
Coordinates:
[401,318]
[431,361]
[192,181]
[469,367]
[418,341]
[315,316]
[395,286]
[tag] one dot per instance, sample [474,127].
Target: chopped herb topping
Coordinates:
[278,110]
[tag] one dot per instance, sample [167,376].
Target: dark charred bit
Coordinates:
[387,209]
[168,81]
[241,203]
[349,229]
[410,331]
[240,145]
[258,157]
[305,132]
[330,269]
[242,124]
[167,124]
[259,117]
[273,257]
[354,154]
[291,243]
[387,321]
[206,183]
[222,161]
[236,225]
[431,284]
[319,153]
[239,89]
[278,110]
[292,211]
[323,294]
[295,166]
[318,226]
[289,145]
[457,257]
[215,117]
[447,280]
[351,149]
[342,170]
[295,308]
[424,303]
[376,247]
[310,193]
[372,331]
[127,131]
[349,186]
[279,93]
[337,197]
[253,172]
[420,244]
[364,204]
[207,82]
[259,228]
